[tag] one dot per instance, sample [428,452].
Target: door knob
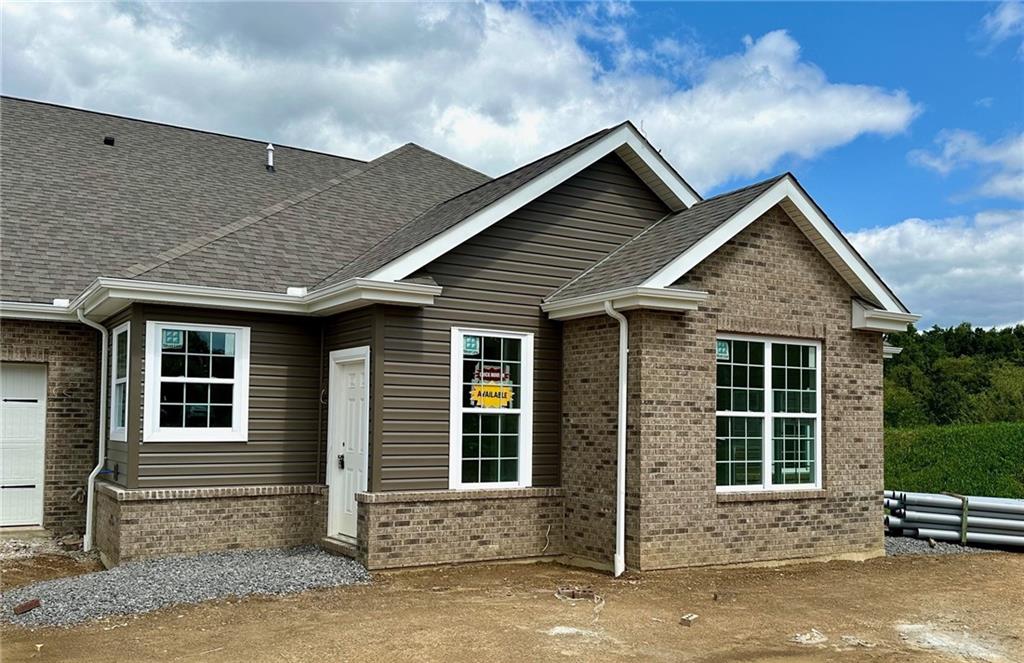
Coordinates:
[341,461]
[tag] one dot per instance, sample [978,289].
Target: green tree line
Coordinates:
[960,374]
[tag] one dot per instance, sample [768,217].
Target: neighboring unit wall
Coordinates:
[497,281]
[142,524]
[70,352]
[400,529]
[768,280]
[284,379]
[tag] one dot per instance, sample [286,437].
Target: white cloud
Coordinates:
[984,102]
[952,270]
[1004,22]
[1002,162]
[493,86]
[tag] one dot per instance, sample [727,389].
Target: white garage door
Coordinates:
[22,432]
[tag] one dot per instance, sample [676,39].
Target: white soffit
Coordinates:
[806,215]
[866,317]
[625,141]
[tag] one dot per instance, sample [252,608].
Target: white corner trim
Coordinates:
[107,296]
[624,136]
[890,351]
[625,299]
[784,189]
[868,318]
[32,311]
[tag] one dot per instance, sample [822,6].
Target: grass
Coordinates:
[969,459]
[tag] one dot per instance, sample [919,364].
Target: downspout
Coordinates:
[91,485]
[620,461]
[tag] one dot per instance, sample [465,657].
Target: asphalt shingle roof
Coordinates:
[73,209]
[641,257]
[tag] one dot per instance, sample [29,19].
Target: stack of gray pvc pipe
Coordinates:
[992,521]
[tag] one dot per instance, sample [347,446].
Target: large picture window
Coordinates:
[119,382]
[492,409]
[768,414]
[197,382]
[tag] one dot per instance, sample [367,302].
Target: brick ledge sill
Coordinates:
[453,495]
[771,496]
[212,492]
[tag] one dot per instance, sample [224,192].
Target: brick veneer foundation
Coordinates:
[140,524]
[70,352]
[398,529]
[769,280]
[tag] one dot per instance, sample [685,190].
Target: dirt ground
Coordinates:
[948,608]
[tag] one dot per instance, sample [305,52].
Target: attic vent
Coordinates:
[270,158]
[108,140]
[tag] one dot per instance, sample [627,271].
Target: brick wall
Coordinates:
[398,529]
[141,524]
[769,280]
[70,352]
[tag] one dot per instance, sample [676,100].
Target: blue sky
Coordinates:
[904,121]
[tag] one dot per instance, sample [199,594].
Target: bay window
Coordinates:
[197,383]
[768,413]
[119,382]
[491,424]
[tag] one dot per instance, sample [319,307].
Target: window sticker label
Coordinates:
[722,350]
[491,387]
[470,346]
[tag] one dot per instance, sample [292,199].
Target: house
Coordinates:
[409,362]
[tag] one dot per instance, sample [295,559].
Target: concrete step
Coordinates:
[339,547]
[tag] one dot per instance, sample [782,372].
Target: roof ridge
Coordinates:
[178,126]
[459,195]
[450,160]
[773,179]
[184,248]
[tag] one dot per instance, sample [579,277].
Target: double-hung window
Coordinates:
[491,423]
[197,383]
[768,413]
[119,382]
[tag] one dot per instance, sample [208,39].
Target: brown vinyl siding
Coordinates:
[117,450]
[497,281]
[284,378]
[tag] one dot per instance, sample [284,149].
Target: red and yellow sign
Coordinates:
[490,387]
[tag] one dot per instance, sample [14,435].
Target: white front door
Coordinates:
[348,438]
[22,443]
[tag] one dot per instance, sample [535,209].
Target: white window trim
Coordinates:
[239,431]
[768,415]
[456,411]
[120,433]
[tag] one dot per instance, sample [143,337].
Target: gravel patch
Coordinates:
[905,545]
[139,587]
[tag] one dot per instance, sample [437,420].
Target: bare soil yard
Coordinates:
[917,608]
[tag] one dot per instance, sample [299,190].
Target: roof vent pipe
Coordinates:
[270,157]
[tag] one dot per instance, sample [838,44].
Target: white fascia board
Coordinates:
[867,318]
[625,299]
[33,311]
[107,296]
[890,351]
[408,263]
[784,189]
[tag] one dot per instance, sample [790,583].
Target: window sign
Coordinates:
[471,346]
[491,386]
[722,350]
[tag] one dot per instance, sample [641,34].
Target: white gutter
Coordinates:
[625,299]
[620,458]
[32,311]
[91,485]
